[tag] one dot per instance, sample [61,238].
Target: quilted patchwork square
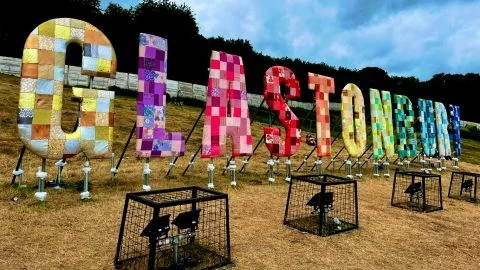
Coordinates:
[45,87]
[46,57]
[30,56]
[41,117]
[40,132]
[62,32]
[30,71]
[43,102]
[26,100]
[60,45]
[87,133]
[47,29]
[46,72]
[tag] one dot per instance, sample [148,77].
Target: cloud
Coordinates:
[403,37]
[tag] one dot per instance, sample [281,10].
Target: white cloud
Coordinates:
[403,37]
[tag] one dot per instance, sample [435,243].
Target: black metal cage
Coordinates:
[464,186]
[181,228]
[417,191]
[322,204]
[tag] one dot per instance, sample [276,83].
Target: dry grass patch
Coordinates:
[67,233]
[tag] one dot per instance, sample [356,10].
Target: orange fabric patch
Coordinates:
[88,119]
[40,132]
[30,71]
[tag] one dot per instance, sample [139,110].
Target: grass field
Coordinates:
[68,233]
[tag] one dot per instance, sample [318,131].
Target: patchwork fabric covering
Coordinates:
[442,130]
[322,85]
[428,130]
[226,91]
[354,130]
[152,138]
[382,123]
[455,124]
[274,76]
[41,91]
[404,119]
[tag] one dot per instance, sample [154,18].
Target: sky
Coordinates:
[417,38]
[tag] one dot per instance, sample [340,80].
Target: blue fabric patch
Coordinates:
[103,105]
[71,146]
[45,87]
[87,133]
[60,45]
[59,74]
[105,52]
[89,63]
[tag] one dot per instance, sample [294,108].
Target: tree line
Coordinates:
[189,51]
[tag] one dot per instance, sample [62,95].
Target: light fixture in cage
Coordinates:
[464,186]
[415,192]
[179,228]
[322,204]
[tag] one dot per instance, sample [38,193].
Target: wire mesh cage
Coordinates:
[322,204]
[181,228]
[463,186]
[417,191]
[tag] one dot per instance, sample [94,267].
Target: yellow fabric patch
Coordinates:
[77,91]
[101,133]
[57,103]
[110,134]
[62,32]
[47,28]
[104,65]
[77,23]
[41,116]
[30,56]
[89,105]
[73,136]
[26,100]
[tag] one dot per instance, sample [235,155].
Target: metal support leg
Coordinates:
[271,176]
[348,167]
[146,175]
[41,194]
[288,172]
[85,195]
[210,169]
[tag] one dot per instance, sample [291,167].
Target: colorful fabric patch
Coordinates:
[41,91]
[428,129]
[152,138]
[382,124]
[272,80]
[455,124]
[404,119]
[226,92]
[354,130]
[443,138]
[323,86]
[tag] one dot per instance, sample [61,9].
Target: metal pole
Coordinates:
[188,137]
[210,169]
[125,147]
[41,195]
[254,149]
[19,164]
[146,174]
[85,195]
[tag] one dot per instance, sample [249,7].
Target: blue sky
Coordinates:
[404,37]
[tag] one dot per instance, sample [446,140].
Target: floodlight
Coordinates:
[187,220]
[320,200]
[467,185]
[158,226]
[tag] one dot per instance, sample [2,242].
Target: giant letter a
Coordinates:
[226,93]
